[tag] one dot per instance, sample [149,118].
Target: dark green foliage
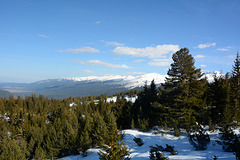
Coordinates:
[42,128]
[170,149]
[199,139]
[162,149]
[143,111]
[155,154]
[183,90]
[227,139]
[122,112]
[11,150]
[85,143]
[114,149]
[230,141]
[237,147]
[235,88]
[218,100]
[228,109]
[139,141]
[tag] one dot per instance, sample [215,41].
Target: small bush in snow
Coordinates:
[155,152]
[227,139]
[156,155]
[199,139]
[230,141]
[139,141]
[237,149]
[167,149]
[171,150]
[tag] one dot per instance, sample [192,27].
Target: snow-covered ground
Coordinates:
[129,99]
[181,144]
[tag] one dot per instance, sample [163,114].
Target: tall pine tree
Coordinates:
[235,87]
[184,89]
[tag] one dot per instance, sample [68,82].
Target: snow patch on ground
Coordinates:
[181,144]
[129,99]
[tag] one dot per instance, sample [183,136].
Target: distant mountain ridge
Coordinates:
[130,81]
[85,86]
[4,94]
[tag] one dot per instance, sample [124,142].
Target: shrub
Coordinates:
[230,141]
[155,152]
[199,139]
[139,141]
[227,139]
[156,155]
[171,150]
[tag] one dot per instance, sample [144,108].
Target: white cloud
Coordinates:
[206,45]
[199,56]
[136,73]
[88,71]
[203,65]
[139,60]
[223,49]
[160,51]
[115,44]
[98,22]
[97,62]
[81,50]
[43,36]
[231,56]
[160,62]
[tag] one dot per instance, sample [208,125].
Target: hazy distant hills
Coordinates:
[4,94]
[82,86]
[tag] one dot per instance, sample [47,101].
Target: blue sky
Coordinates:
[45,39]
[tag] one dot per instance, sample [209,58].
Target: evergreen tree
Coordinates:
[122,112]
[199,138]
[114,149]
[143,110]
[99,130]
[85,142]
[39,153]
[184,89]
[227,138]
[235,87]
[216,98]
[228,112]
[11,150]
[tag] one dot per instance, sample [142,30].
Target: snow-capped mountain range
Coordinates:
[87,86]
[129,81]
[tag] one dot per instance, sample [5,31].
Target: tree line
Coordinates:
[187,98]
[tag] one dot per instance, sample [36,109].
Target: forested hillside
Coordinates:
[38,127]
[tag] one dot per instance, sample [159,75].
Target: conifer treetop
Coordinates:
[182,68]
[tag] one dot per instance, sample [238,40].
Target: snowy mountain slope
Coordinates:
[85,86]
[210,75]
[181,144]
[130,81]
